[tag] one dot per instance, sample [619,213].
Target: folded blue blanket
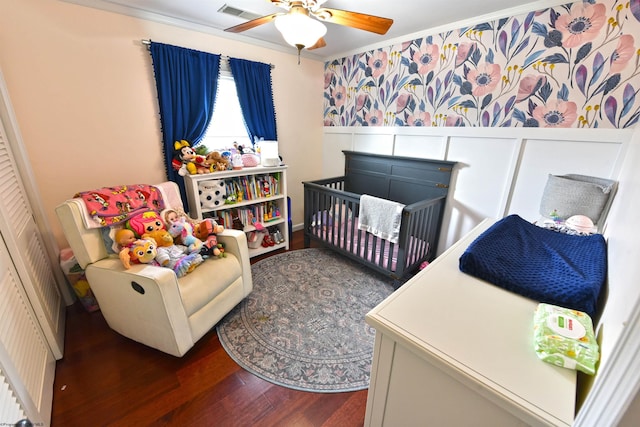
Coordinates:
[544,265]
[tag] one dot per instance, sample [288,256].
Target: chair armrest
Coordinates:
[235,242]
[142,303]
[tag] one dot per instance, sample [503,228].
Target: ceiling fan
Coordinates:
[300,30]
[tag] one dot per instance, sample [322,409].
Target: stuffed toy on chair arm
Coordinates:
[206,231]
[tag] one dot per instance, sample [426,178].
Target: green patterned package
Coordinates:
[565,338]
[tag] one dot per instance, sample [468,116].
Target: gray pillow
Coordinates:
[573,194]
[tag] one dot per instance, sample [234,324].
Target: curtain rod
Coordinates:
[147,42]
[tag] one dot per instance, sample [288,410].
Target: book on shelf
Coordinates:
[248,215]
[252,187]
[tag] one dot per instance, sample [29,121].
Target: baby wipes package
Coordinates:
[565,338]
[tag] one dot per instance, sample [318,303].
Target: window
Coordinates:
[227,125]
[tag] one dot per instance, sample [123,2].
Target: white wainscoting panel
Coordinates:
[543,157]
[480,186]
[424,147]
[373,143]
[332,157]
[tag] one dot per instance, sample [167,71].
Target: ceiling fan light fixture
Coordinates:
[299,29]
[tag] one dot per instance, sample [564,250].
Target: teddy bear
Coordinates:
[217,162]
[175,257]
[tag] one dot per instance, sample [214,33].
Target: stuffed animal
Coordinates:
[183,230]
[236,161]
[175,257]
[185,159]
[143,251]
[162,238]
[172,216]
[202,166]
[217,162]
[206,232]
[144,222]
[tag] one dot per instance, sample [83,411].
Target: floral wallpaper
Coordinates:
[570,66]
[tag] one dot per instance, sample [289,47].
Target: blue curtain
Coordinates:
[253,83]
[187,81]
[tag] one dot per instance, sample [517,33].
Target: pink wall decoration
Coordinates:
[570,66]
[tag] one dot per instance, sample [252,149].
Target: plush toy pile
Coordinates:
[186,160]
[168,239]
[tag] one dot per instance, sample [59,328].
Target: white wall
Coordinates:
[82,87]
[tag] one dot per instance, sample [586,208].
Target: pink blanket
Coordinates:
[112,205]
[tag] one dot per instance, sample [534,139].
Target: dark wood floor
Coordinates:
[105,379]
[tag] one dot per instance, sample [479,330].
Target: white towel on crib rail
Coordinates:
[380,217]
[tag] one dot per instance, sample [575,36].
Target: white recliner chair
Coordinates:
[149,304]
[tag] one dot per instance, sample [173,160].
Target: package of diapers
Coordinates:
[565,338]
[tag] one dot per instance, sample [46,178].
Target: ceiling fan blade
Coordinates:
[252,24]
[361,21]
[320,43]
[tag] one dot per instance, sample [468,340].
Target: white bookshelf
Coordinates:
[251,197]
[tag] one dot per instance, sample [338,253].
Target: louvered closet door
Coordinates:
[10,408]
[27,365]
[28,253]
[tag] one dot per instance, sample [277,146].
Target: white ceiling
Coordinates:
[412,18]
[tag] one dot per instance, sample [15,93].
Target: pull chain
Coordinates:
[300,47]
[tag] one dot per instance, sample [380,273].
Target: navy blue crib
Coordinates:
[332,206]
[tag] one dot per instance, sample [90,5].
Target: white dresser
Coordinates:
[452,350]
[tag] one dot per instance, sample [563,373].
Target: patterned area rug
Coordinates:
[303,325]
